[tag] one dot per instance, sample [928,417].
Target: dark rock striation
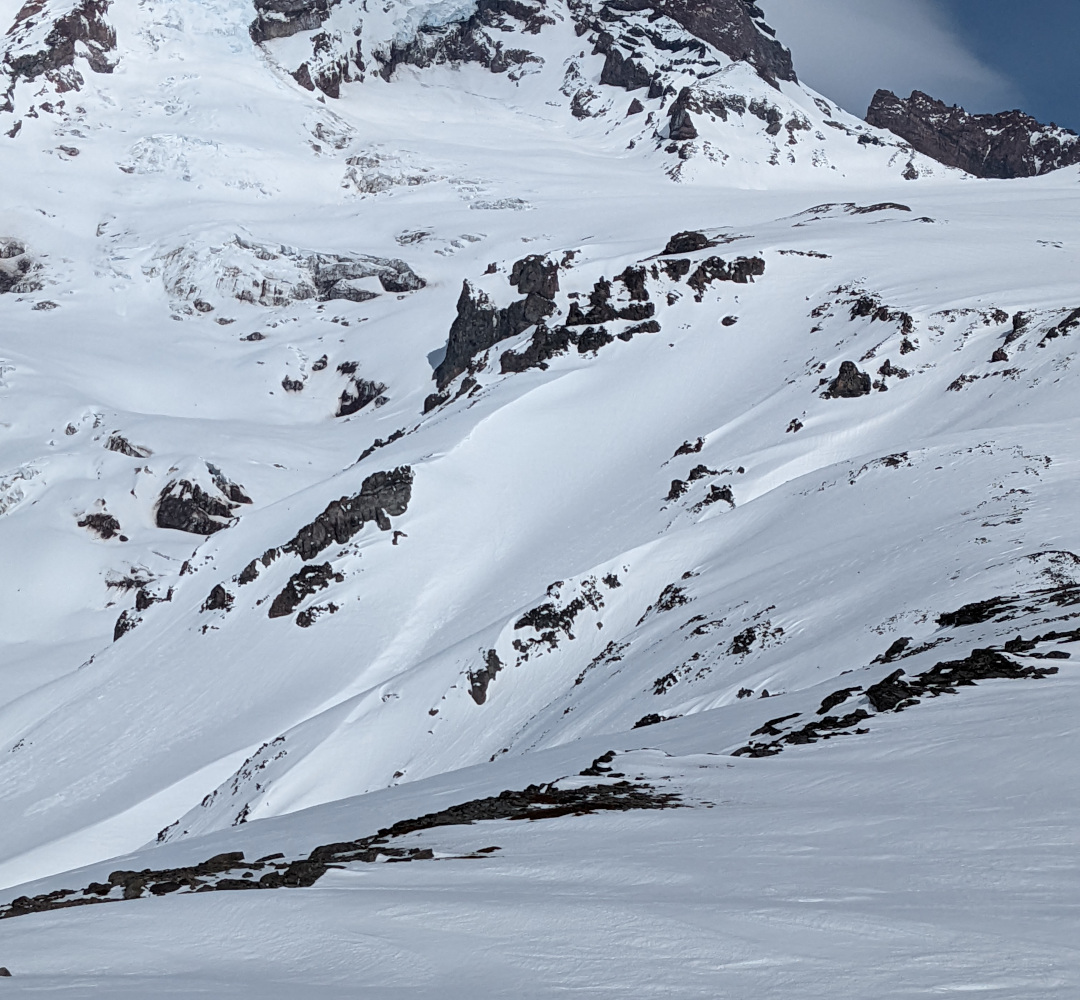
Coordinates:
[1006,145]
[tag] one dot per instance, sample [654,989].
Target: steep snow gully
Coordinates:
[548,444]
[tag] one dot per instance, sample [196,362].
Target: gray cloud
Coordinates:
[847,49]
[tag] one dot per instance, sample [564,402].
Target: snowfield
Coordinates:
[370,454]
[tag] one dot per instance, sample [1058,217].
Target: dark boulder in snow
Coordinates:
[359,393]
[219,600]
[849,383]
[103,525]
[681,126]
[185,506]
[535,273]
[125,623]
[480,679]
[303,583]
[687,242]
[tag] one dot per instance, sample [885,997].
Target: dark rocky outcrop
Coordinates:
[480,324]
[849,383]
[125,623]
[1006,145]
[619,70]
[681,126]
[688,241]
[381,494]
[218,600]
[185,506]
[117,442]
[303,583]
[479,38]
[480,679]
[895,693]
[545,345]
[736,27]
[536,274]
[83,31]
[359,393]
[282,18]
[103,525]
[741,271]
[592,338]
[230,872]
[335,276]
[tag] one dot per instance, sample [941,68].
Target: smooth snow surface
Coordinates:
[180,216]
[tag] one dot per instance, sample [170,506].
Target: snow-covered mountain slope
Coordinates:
[934,856]
[551,370]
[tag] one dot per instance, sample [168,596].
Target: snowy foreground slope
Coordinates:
[399,407]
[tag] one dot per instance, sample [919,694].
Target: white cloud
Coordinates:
[847,49]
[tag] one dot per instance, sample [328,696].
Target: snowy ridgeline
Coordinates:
[490,387]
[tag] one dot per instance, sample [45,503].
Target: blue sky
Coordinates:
[1036,43]
[987,55]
